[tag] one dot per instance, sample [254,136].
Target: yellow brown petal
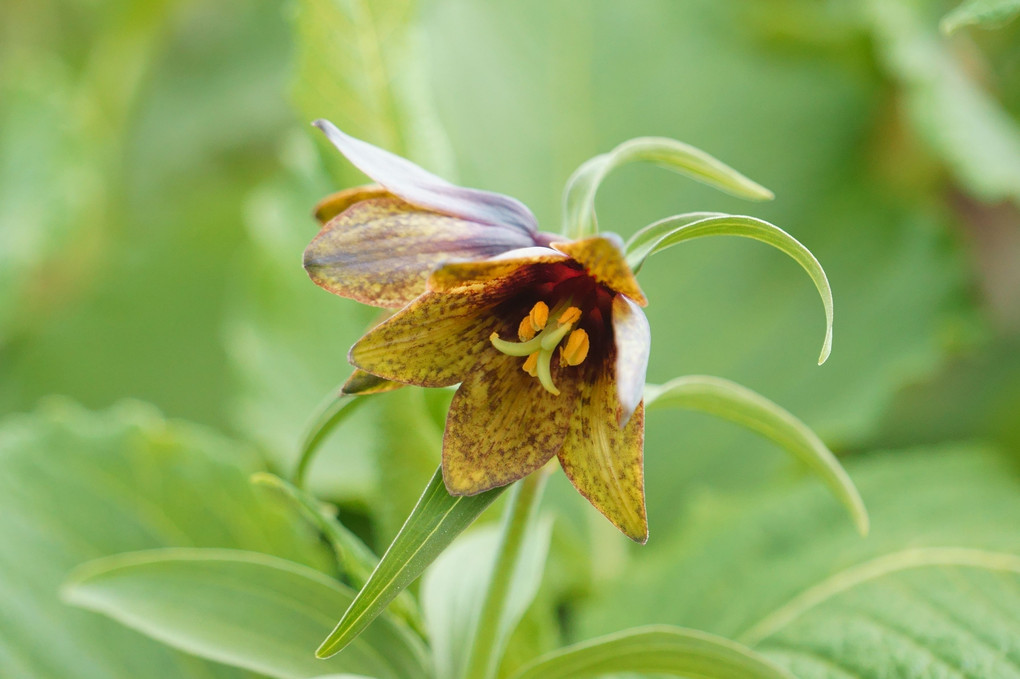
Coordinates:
[381,251]
[435,340]
[604,462]
[457,275]
[335,203]
[502,426]
[361,383]
[602,256]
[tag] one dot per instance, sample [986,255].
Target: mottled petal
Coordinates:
[603,257]
[335,203]
[633,344]
[604,462]
[503,425]
[455,275]
[419,187]
[361,383]
[381,251]
[436,339]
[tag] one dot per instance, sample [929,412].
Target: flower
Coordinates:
[546,339]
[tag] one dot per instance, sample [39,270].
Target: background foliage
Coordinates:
[156,178]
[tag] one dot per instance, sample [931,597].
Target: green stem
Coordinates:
[487,646]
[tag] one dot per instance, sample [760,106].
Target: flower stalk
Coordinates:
[486,650]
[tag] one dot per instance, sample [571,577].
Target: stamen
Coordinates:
[571,315]
[539,316]
[531,365]
[525,330]
[577,348]
[539,340]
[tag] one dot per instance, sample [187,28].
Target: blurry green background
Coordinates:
[157,173]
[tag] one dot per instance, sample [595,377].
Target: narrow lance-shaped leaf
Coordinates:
[243,609]
[668,232]
[658,649]
[990,13]
[433,524]
[735,403]
[356,560]
[579,196]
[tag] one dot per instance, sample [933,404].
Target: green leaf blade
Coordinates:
[656,649]
[730,401]
[579,195]
[433,524]
[674,230]
[243,609]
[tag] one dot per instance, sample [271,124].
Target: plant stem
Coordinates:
[489,639]
[332,412]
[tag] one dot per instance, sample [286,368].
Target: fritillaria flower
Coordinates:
[547,339]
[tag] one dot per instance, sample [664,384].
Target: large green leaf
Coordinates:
[76,486]
[655,650]
[240,608]
[825,603]
[433,524]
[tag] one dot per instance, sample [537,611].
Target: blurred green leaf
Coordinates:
[972,133]
[730,401]
[655,650]
[240,608]
[457,586]
[355,558]
[76,486]
[436,520]
[990,13]
[579,195]
[671,231]
[767,550]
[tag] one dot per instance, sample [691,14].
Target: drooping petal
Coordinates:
[361,383]
[632,337]
[435,340]
[424,189]
[381,251]
[604,462]
[503,425]
[455,275]
[604,260]
[335,203]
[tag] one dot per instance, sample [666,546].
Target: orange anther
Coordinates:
[571,315]
[525,330]
[531,365]
[539,316]
[576,349]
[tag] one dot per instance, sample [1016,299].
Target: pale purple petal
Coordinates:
[633,342]
[424,189]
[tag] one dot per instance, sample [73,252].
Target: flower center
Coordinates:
[539,339]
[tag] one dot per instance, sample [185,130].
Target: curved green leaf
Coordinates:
[658,649]
[668,232]
[244,609]
[433,524]
[335,409]
[722,398]
[991,13]
[579,196]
